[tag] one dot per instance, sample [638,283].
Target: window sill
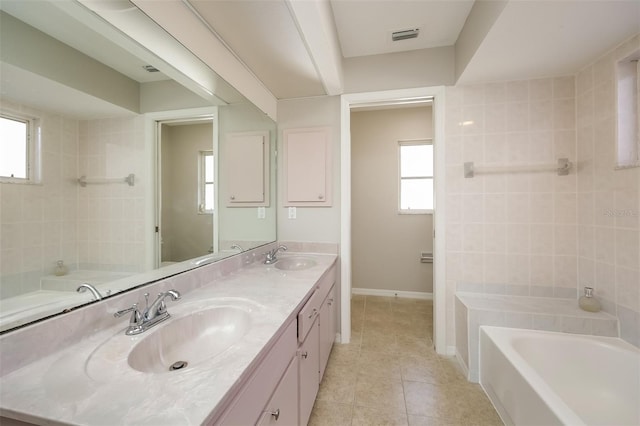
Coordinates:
[410,212]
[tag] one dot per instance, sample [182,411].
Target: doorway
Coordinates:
[392,200]
[186,189]
[403,96]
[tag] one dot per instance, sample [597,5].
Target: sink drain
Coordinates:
[178,365]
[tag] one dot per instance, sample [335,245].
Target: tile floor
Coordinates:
[390,375]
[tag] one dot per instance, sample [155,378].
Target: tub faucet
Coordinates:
[152,315]
[270,256]
[86,286]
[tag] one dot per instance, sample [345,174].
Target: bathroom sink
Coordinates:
[294,263]
[184,342]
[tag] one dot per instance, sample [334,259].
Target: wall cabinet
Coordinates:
[283,387]
[246,169]
[307,167]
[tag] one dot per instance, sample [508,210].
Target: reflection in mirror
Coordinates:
[186,182]
[94,111]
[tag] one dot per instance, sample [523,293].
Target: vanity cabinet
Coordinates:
[307,167]
[309,379]
[249,404]
[282,409]
[327,326]
[283,387]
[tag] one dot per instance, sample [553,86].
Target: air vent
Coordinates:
[405,34]
[150,68]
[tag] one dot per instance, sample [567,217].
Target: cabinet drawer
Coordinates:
[326,283]
[247,407]
[308,314]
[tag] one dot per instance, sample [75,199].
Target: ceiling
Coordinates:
[529,38]
[297,48]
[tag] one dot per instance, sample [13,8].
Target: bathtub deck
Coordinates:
[534,313]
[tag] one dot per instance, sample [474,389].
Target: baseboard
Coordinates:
[392,293]
[462,365]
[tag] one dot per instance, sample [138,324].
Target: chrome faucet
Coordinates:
[86,286]
[270,256]
[236,247]
[152,315]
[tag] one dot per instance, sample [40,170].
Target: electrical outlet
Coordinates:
[292,212]
[262,212]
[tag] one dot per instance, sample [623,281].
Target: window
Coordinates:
[628,133]
[17,149]
[205,182]
[416,176]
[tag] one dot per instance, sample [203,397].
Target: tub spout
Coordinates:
[86,286]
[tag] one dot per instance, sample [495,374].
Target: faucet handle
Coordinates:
[136,316]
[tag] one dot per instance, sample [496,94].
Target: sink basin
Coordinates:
[294,263]
[187,341]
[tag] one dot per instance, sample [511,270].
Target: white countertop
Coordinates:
[90,382]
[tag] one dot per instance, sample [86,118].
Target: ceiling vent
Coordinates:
[405,34]
[150,68]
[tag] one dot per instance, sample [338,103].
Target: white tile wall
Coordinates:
[37,221]
[544,235]
[608,199]
[97,227]
[512,233]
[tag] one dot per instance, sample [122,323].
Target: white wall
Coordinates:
[377,227]
[313,224]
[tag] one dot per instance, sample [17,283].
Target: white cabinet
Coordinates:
[307,167]
[309,382]
[282,409]
[245,173]
[282,388]
[327,329]
[248,406]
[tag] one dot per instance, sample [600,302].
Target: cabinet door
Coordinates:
[309,357]
[282,409]
[327,330]
[307,167]
[246,169]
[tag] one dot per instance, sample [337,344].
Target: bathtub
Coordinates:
[547,378]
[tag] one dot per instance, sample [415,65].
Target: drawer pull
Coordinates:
[304,354]
[312,314]
[276,414]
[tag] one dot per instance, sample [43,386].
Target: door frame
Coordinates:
[154,121]
[391,97]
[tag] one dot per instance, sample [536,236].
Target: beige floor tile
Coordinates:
[379,364]
[364,416]
[427,370]
[327,413]
[381,393]
[413,345]
[431,421]
[390,374]
[378,341]
[339,388]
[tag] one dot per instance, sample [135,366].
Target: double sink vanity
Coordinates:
[245,343]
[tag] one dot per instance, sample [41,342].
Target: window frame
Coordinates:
[33,144]
[202,182]
[414,142]
[627,112]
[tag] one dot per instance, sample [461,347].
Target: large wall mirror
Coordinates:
[131,160]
